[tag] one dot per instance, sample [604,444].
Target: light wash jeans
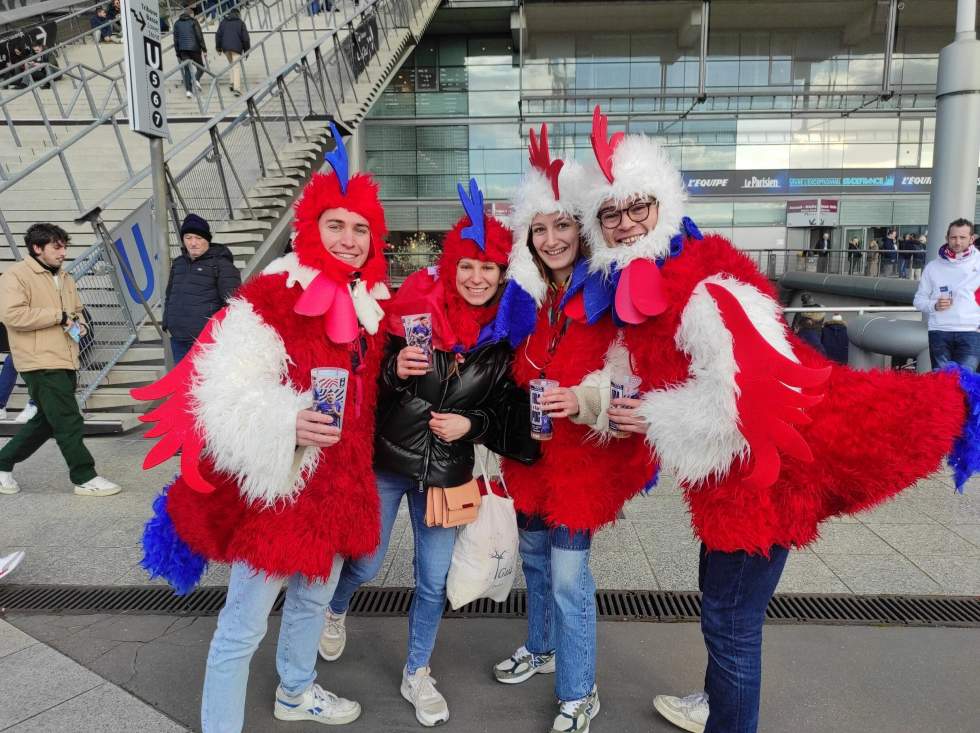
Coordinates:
[561,612]
[433,554]
[242,624]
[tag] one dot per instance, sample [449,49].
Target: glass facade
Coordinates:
[453,111]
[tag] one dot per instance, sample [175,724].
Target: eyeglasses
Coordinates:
[637,212]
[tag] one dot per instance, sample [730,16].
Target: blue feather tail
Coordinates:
[965,456]
[516,315]
[167,556]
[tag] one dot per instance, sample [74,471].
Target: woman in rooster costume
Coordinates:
[267,484]
[579,484]
[767,437]
[428,422]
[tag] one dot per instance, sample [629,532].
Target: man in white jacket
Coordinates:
[948,295]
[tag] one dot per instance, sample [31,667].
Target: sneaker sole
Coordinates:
[548,668]
[675,718]
[330,657]
[99,492]
[8,491]
[418,717]
[280,713]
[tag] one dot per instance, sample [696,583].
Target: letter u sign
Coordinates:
[135,293]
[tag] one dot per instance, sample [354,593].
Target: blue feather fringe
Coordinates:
[516,315]
[167,556]
[651,484]
[965,456]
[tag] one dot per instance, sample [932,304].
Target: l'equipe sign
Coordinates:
[144,68]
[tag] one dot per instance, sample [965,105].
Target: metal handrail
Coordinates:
[61,46]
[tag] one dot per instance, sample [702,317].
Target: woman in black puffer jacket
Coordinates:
[427,425]
[201,281]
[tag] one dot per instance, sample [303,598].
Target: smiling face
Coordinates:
[346,236]
[555,238]
[628,232]
[477,281]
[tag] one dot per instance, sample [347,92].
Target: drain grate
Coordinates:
[612,605]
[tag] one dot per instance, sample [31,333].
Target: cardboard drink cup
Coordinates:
[418,333]
[329,385]
[541,426]
[625,385]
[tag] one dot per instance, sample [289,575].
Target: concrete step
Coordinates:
[240,225]
[96,423]
[132,375]
[102,399]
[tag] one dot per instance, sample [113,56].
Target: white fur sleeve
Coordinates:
[694,426]
[246,408]
[593,391]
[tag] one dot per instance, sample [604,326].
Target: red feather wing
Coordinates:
[768,405]
[174,418]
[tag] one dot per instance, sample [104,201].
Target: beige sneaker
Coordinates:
[420,690]
[97,486]
[687,713]
[8,484]
[334,637]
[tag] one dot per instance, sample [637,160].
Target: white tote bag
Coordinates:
[485,553]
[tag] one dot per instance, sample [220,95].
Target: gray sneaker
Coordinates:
[574,716]
[522,665]
[687,713]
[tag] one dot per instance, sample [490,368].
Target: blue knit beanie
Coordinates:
[194,224]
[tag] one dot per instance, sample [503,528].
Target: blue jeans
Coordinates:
[242,624]
[961,347]
[561,613]
[179,348]
[736,589]
[8,378]
[433,554]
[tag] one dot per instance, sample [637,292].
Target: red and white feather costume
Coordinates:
[767,437]
[580,481]
[247,493]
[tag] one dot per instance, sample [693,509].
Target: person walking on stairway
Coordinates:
[40,307]
[189,44]
[232,40]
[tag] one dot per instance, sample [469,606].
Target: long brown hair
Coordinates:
[583,249]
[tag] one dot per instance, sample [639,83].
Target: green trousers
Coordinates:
[58,416]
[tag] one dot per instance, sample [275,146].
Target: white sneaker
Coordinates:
[420,690]
[97,486]
[197,85]
[688,713]
[3,413]
[188,94]
[9,563]
[575,716]
[316,704]
[8,484]
[522,665]
[334,637]
[29,411]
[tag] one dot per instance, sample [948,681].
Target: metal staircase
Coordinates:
[241,169]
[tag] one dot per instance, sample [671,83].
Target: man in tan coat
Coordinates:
[43,314]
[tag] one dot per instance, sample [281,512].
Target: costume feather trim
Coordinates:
[167,556]
[965,456]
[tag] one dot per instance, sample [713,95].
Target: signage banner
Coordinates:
[144,68]
[139,270]
[362,44]
[812,213]
[807,181]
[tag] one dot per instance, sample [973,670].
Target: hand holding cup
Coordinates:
[559,402]
[316,429]
[411,362]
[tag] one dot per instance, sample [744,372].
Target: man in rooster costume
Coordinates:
[267,484]
[766,437]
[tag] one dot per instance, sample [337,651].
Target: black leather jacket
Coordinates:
[481,390]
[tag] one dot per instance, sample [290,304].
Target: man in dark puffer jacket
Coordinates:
[232,40]
[201,281]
